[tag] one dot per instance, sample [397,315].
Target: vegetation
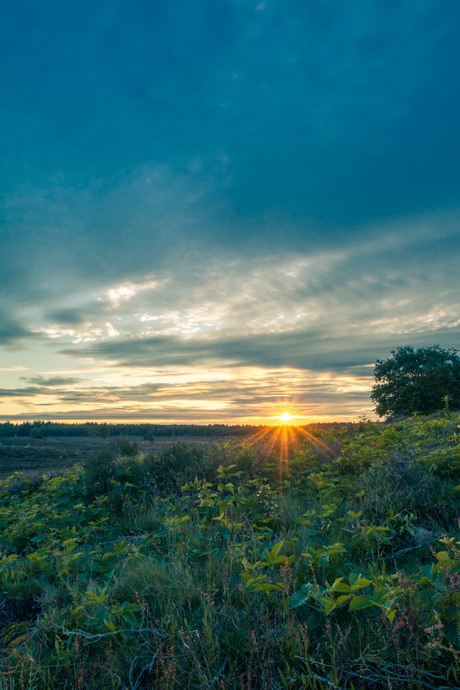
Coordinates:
[288,560]
[148,431]
[417,381]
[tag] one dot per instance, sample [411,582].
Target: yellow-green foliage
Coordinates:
[334,564]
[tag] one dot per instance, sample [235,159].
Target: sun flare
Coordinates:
[286,417]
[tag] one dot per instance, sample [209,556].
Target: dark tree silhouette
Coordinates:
[417,381]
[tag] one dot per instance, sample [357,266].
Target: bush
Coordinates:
[400,483]
[123,446]
[99,470]
[153,474]
[165,473]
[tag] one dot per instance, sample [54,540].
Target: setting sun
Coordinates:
[286,417]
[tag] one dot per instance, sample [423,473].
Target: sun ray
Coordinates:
[273,439]
[283,450]
[282,436]
[257,436]
[315,440]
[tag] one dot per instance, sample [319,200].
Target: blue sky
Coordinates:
[218,211]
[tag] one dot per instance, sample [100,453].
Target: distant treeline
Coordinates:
[42,429]
[24,429]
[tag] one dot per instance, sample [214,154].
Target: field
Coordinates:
[292,559]
[56,455]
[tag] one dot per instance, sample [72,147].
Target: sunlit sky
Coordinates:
[223,211]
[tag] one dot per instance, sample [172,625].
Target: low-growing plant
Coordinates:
[399,483]
[124,447]
[326,563]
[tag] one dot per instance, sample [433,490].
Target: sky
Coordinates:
[223,211]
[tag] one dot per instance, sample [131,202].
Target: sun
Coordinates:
[286,417]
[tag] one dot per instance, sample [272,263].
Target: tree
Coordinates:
[417,381]
[92,430]
[103,430]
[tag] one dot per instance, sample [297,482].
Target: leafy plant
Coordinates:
[207,567]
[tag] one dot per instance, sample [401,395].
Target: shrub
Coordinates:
[123,446]
[165,473]
[99,470]
[400,483]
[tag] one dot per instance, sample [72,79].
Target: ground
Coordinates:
[56,455]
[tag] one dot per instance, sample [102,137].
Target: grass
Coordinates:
[288,560]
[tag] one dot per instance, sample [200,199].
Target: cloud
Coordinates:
[68,317]
[322,133]
[19,392]
[247,393]
[304,350]
[399,279]
[117,229]
[52,381]
[12,331]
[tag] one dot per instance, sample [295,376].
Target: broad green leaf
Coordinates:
[353,577]
[336,584]
[265,587]
[391,615]
[424,581]
[380,595]
[298,599]
[276,549]
[314,620]
[359,603]
[359,584]
[340,586]
[329,604]
[427,570]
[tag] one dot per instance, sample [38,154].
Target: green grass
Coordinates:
[291,562]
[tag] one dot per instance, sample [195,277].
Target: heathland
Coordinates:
[320,557]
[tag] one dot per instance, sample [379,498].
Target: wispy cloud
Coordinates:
[242,337]
[244,394]
[52,381]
